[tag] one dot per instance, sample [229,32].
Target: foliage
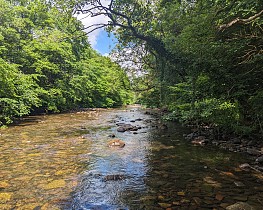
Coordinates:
[207,57]
[47,64]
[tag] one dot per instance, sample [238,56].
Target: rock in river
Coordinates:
[116,143]
[114,177]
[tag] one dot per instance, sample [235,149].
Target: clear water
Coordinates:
[61,161]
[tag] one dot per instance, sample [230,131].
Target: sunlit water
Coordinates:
[62,161]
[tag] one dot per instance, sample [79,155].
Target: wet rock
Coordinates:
[148,121]
[138,119]
[219,197]
[126,127]
[253,151]
[116,143]
[165,205]
[240,198]
[200,140]
[240,205]
[259,159]
[112,135]
[181,193]
[114,177]
[121,129]
[239,184]
[191,136]
[236,141]
[197,200]
[160,197]
[245,167]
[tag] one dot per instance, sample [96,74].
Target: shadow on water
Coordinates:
[64,162]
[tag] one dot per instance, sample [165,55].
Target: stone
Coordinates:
[138,119]
[114,177]
[259,159]
[236,141]
[165,205]
[239,184]
[160,197]
[219,197]
[121,129]
[181,193]
[245,166]
[126,127]
[55,184]
[4,184]
[197,200]
[252,151]
[4,197]
[240,205]
[116,143]
[240,198]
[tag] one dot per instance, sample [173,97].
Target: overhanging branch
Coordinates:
[240,21]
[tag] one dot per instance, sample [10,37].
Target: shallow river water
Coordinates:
[63,161]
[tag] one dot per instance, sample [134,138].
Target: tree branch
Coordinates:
[240,21]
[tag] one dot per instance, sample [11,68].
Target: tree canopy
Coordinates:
[203,60]
[47,64]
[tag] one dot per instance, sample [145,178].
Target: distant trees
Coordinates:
[47,64]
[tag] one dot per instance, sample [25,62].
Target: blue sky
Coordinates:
[104,44]
[98,39]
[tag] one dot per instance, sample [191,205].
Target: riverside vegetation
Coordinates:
[47,64]
[201,60]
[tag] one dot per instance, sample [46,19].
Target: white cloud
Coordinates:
[106,54]
[89,21]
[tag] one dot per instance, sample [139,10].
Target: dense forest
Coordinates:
[200,59]
[47,64]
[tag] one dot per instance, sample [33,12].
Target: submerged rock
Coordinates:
[116,143]
[240,205]
[114,177]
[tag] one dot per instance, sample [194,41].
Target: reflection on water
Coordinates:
[63,162]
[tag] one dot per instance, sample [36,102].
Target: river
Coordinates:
[63,161]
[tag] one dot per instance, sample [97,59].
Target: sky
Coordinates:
[99,38]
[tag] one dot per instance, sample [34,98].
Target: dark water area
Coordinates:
[63,161]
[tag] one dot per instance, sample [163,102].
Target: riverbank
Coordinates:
[250,146]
